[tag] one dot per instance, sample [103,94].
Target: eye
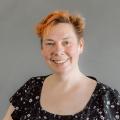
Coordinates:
[66,43]
[49,44]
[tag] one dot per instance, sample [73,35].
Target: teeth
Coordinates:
[59,61]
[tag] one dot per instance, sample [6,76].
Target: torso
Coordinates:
[57,101]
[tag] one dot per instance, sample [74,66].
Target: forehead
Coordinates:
[60,31]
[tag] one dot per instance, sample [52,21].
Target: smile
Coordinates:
[60,61]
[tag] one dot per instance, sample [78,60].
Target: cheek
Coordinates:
[72,50]
[45,54]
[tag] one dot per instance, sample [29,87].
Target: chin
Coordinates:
[61,70]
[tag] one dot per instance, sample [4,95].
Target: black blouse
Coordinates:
[104,103]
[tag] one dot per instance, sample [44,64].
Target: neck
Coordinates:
[72,77]
[69,80]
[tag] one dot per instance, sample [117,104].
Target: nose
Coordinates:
[59,49]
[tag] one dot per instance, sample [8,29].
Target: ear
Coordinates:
[42,52]
[81,45]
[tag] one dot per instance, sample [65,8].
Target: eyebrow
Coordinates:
[48,40]
[66,37]
[53,40]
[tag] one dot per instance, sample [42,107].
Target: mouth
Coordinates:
[60,61]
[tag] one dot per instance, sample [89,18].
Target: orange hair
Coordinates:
[56,17]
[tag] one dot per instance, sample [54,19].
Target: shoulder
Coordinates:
[108,90]
[30,83]
[105,90]
[107,101]
[109,98]
[26,90]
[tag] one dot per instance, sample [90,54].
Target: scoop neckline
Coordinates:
[69,115]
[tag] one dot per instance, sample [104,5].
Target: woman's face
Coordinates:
[61,48]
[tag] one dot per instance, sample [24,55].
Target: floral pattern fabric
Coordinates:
[104,103]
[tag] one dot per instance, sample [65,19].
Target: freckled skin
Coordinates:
[61,43]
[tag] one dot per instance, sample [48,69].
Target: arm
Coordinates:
[8,113]
[15,101]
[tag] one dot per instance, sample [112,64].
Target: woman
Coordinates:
[67,94]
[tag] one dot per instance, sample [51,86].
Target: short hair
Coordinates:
[56,17]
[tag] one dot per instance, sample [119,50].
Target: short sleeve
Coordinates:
[116,102]
[112,104]
[19,99]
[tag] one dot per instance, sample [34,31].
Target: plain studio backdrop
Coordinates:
[20,56]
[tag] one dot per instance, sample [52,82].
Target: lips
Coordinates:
[60,61]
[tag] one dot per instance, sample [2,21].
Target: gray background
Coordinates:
[20,56]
